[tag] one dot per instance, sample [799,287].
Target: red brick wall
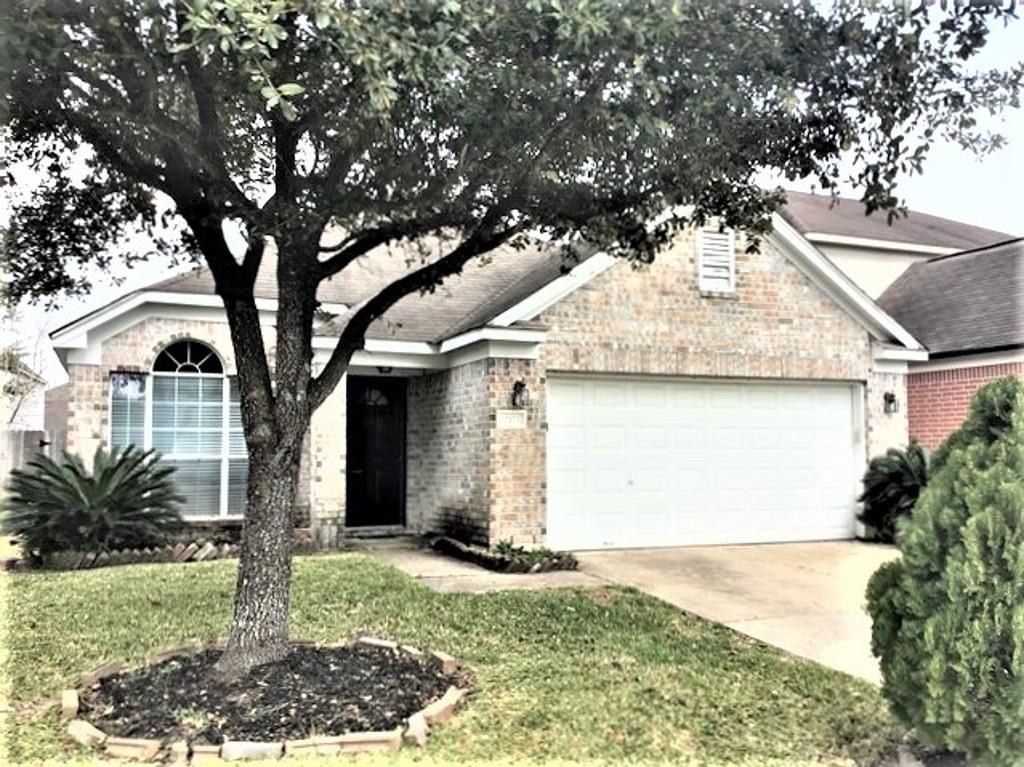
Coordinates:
[937,401]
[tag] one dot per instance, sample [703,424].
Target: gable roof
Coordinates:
[815,214]
[469,300]
[505,290]
[965,303]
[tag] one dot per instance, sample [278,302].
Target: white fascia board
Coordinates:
[834,281]
[497,349]
[399,347]
[369,359]
[867,242]
[85,347]
[554,291]
[520,335]
[1009,357]
[74,335]
[514,343]
[890,366]
[381,346]
[898,353]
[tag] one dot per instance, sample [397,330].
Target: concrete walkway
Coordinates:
[444,573]
[806,598]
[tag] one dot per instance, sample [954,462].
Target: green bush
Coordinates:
[892,485]
[127,501]
[989,418]
[948,617]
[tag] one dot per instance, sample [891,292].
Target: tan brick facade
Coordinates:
[654,320]
[447,451]
[464,461]
[885,430]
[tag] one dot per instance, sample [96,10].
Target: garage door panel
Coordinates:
[636,462]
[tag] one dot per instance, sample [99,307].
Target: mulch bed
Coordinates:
[523,562]
[313,691]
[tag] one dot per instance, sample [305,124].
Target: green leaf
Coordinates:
[290,89]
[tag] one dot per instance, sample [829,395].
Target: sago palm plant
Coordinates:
[892,484]
[128,501]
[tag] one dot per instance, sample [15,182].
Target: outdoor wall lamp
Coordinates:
[889,403]
[384,369]
[520,394]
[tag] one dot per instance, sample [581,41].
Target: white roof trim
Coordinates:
[554,291]
[520,335]
[959,362]
[834,281]
[898,353]
[380,346]
[867,242]
[72,335]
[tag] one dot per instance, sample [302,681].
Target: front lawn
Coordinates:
[606,676]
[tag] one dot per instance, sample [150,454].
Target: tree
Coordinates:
[466,121]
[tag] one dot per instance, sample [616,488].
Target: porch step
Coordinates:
[365,539]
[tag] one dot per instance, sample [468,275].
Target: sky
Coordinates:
[985,191]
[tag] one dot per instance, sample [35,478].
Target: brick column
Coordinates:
[518,456]
[886,430]
[327,469]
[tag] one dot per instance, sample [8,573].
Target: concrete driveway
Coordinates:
[806,598]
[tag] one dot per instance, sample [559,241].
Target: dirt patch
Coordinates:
[312,691]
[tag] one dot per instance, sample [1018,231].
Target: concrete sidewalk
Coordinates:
[444,573]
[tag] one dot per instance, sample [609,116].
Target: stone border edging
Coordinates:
[413,732]
[196,551]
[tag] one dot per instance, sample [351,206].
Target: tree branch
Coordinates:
[360,244]
[353,336]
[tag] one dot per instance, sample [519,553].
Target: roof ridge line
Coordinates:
[975,250]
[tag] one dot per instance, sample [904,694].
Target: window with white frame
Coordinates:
[716,260]
[188,411]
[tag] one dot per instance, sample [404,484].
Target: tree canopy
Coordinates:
[329,128]
[399,119]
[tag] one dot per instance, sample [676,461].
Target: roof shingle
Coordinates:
[815,213]
[963,303]
[483,290]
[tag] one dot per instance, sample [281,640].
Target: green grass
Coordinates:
[608,676]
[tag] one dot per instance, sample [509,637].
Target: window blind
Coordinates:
[127,410]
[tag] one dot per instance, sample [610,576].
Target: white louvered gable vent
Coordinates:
[716,260]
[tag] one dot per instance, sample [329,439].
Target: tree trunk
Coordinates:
[259,629]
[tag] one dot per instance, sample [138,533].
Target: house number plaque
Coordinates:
[511,419]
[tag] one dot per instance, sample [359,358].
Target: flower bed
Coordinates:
[175,708]
[506,558]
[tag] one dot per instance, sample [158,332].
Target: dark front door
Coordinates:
[375,476]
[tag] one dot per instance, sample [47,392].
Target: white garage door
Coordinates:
[646,462]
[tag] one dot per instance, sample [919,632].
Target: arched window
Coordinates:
[191,416]
[188,357]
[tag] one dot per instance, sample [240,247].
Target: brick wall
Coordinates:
[325,463]
[938,400]
[518,456]
[447,458]
[885,430]
[655,320]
